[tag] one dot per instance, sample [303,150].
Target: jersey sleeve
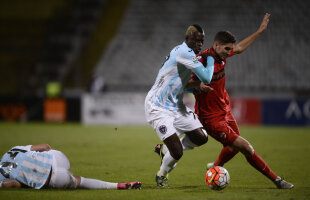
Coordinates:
[205,73]
[188,58]
[27,148]
[202,60]
[208,64]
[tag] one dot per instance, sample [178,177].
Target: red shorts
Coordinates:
[223,128]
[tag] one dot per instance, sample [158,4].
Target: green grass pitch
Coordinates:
[126,154]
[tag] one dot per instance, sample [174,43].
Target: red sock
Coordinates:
[225,156]
[259,164]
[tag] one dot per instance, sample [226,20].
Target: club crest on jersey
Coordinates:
[162,129]
[195,59]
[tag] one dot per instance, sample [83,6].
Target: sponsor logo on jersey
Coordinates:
[195,59]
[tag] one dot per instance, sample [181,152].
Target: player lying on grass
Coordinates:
[213,108]
[39,166]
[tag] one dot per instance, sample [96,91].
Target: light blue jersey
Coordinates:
[167,91]
[28,167]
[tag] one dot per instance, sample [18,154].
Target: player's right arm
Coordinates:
[40,147]
[194,82]
[37,147]
[190,60]
[10,184]
[245,43]
[205,73]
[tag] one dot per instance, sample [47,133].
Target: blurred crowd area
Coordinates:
[276,64]
[119,45]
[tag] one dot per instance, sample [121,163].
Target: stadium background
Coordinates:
[92,61]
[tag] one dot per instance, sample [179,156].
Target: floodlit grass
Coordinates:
[126,154]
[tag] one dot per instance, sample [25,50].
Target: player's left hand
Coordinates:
[205,88]
[264,23]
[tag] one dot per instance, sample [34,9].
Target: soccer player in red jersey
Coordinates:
[213,109]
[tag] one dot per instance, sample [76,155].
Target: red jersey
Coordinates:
[214,103]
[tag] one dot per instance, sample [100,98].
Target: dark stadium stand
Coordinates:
[22,36]
[41,41]
[68,34]
[276,63]
[45,41]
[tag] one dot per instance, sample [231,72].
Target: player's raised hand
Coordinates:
[264,23]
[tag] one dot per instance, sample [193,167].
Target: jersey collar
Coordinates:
[216,57]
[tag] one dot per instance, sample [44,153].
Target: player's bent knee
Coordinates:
[250,149]
[177,155]
[246,148]
[202,141]
[198,137]
[203,138]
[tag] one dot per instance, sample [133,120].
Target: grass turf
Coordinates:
[126,154]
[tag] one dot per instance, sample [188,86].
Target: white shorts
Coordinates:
[166,122]
[61,177]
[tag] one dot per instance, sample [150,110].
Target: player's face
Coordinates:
[195,41]
[223,50]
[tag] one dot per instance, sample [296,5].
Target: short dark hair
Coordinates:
[224,37]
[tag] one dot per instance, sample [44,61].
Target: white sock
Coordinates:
[164,149]
[168,164]
[187,144]
[88,183]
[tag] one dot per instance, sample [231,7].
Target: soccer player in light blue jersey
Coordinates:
[164,108]
[39,166]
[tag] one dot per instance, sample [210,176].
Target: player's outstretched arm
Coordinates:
[10,184]
[205,73]
[244,44]
[40,147]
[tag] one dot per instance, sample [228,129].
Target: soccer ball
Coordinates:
[217,178]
